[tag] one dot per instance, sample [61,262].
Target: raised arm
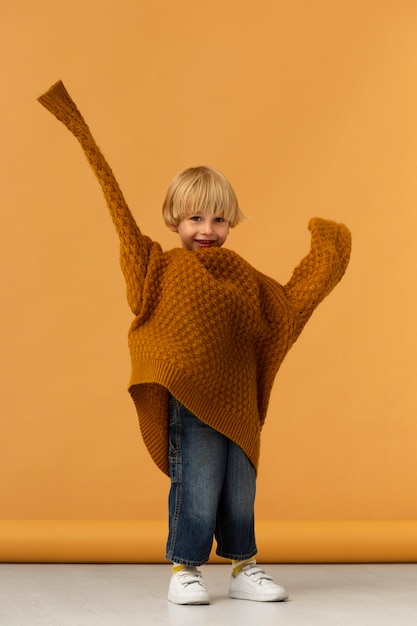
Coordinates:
[134,247]
[320,271]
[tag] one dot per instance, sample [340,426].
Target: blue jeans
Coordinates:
[212,492]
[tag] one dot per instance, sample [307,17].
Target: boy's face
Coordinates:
[202,230]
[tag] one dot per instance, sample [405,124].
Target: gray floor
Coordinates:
[124,595]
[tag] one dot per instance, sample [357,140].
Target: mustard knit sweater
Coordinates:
[208,327]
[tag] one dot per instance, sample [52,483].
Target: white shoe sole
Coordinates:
[256,597]
[193,600]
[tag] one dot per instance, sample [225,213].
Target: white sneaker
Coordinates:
[187,587]
[253,584]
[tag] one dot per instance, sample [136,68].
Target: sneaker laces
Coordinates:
[190,576]
[256,573]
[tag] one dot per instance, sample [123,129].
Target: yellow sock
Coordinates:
[239,565]
[177,567]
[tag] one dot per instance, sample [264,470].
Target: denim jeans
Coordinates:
[212,492]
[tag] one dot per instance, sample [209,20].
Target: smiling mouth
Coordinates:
[205,243]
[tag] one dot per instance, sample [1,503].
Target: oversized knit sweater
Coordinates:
[208,327]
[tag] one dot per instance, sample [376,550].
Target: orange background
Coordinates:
[310,109]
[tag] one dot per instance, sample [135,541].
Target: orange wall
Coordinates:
[310,109]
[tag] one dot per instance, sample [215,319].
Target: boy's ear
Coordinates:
[173,227]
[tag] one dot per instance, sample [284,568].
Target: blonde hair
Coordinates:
[197,190]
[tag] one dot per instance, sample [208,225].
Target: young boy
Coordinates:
[207,340]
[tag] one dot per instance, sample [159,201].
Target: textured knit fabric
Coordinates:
[208,327]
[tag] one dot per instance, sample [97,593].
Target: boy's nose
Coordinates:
[207,228]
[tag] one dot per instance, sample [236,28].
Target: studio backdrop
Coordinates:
[309,108]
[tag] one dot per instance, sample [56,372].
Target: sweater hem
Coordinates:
[176,381]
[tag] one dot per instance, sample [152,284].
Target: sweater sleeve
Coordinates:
[135,248]
[319,272]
